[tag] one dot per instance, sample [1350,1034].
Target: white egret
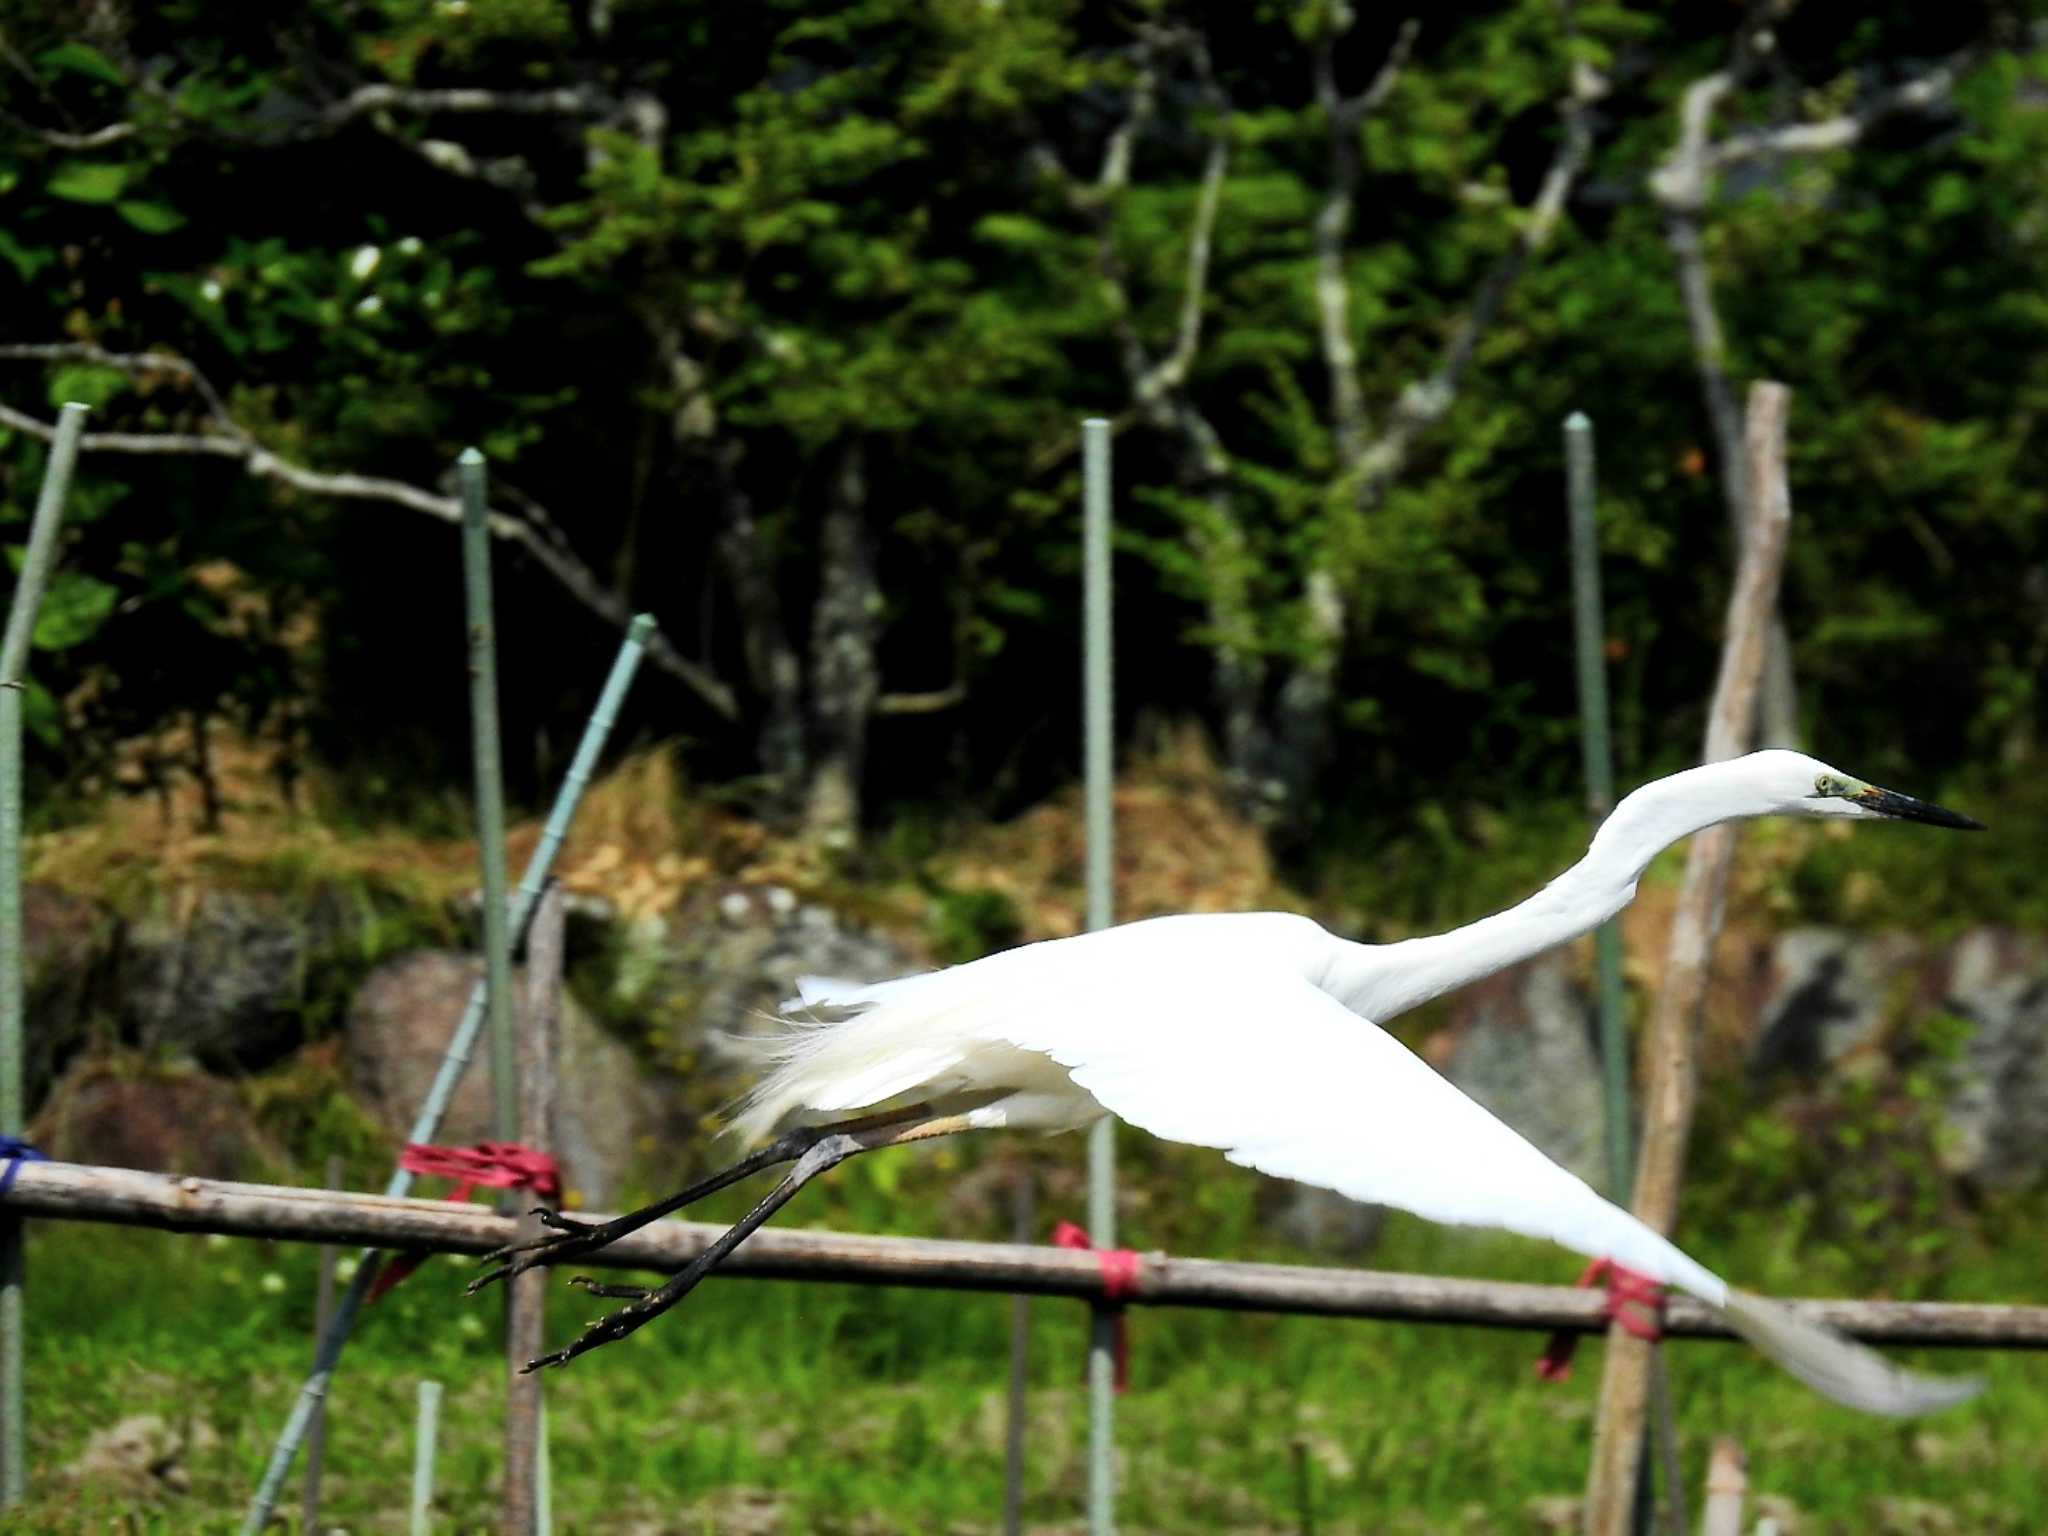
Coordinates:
[1258,1034]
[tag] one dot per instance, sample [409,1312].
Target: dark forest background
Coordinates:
[777,320]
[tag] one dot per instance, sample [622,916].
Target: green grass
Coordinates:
[765,1405]
[777,1406]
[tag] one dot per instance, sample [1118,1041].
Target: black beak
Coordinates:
[1890,803]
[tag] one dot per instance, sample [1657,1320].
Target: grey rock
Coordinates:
[67,943]
[222,975]
[1997,1109]
[123,1111]
[1831,992]
[143,1458]
[709,977]
[1524,1049]
[399,1026]
[1322,1220]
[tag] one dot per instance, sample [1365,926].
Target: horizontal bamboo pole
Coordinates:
[126,1197]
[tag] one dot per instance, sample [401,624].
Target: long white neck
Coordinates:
[1381,981]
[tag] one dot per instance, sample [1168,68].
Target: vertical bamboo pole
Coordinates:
[21,623]
[1674,1023]
[426,1427]
[490,790]
[1595,737]
[323,1314]
[456,1058]
[1099,723]
[527,1310]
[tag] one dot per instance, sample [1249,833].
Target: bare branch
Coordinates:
[1426,401]
[1923,93]
[570,101]
[1356,109]
[97,138]
[1342,119]
[1681,181]
[1115,174]
[1171,372]
[929,703]
[139,363]
[570,572]
[1156,383]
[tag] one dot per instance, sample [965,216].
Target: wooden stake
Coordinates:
[526,1307]
[1674,1023]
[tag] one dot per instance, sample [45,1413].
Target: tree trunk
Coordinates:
[773,667]
[1304,715]
[844,680]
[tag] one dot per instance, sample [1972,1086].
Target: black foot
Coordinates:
[610,1292]
[643,1309]
[572,1240]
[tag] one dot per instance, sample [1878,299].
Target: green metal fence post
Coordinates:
[21,623]
[1099,718]
[1596,739]
[490,790]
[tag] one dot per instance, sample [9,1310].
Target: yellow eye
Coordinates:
[1826,786]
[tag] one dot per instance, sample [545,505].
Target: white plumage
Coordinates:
[1255,1034]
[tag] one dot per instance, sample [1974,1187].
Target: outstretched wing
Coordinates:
[1281,1077]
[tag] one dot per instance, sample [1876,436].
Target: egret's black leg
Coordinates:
[830,1151]
[573,1239]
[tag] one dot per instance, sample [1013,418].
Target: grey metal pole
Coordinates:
[1595,736]
[426,1426]
[323,1313]
[538,867]
[490,790]
[21,623]
[1099,722]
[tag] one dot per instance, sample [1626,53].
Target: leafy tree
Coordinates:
[801,303]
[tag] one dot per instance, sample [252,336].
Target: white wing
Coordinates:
[1304,1089]
[1224,1044]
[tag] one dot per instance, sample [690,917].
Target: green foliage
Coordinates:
[969,924]
[757,237]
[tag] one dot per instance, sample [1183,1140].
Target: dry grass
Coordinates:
[1180,846]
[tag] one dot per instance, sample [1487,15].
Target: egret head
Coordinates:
[1798,785]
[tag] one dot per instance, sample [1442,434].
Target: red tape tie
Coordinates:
[487,1165]
[1634,1301]
[1119,1282]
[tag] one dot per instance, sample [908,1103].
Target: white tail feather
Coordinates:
[1838,1368]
